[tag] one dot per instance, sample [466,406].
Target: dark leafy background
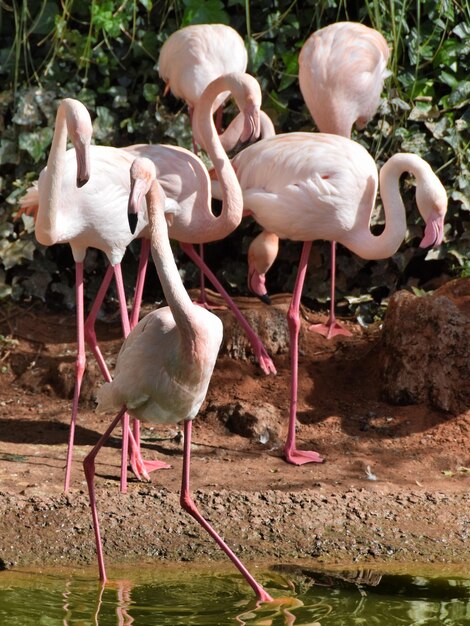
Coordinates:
[106,52]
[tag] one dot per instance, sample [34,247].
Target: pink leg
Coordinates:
[139,286]
[79,369]
[332,327]
[138,465]
[188,505]
[90,334]
[89,467]
[263,357]
[297,457]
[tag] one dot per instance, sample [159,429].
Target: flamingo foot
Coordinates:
[301,457]
[264,360]
[330,329]
[141,469]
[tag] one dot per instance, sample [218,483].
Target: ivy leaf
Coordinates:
[204,12]
[35,143]
[260,53]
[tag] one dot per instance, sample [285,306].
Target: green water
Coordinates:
[161,595]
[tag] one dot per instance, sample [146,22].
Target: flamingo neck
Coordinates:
[388,242]
[51,182]
[176,295]
[232,199]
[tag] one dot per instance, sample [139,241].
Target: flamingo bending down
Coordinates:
[165,365]
[342,68]
[306,186]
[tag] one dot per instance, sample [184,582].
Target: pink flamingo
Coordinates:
[342,68]
[306,186]
[165,365]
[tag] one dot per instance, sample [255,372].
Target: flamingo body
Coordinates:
[342,68]
[194,56]
[155,377]
[307,186]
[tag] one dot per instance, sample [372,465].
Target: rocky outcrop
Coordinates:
[425,348]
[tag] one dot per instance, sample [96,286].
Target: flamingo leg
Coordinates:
[89,467]
[90,334]
[292,455]
[80,364]
[139,286]
[332,327]
[138,465]
[188,505]
[261,354]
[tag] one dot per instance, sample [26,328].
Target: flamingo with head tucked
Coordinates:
[165,365]
[342,68]
[306,186]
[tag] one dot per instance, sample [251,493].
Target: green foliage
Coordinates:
[106,53]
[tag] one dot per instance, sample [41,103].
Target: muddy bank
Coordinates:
[376,525]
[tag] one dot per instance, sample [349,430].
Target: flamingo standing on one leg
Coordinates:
[165,365]
[342,69]
[306,186]
[190,59]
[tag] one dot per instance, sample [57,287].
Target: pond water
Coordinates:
[163,595]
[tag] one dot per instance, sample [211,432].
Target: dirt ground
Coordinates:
[394,487]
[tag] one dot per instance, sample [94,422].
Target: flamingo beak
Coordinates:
[434,232]
[135,200]
[82,152]
[252,124]
[257,286]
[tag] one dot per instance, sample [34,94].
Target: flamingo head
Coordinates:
[431,198]
[80,131]
[143,174]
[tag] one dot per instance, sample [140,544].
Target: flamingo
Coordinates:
[342,68]
[187,182]
[307,186]
[165,365]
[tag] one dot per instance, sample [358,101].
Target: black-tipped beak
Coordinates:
[265,298]
[133,219]
[83,164]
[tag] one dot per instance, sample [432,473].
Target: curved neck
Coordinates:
[176,295]
[388,242]
[232,199]
[51,181]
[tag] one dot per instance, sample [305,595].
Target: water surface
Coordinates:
[166,595]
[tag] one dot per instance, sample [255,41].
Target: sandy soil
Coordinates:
[394,486]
